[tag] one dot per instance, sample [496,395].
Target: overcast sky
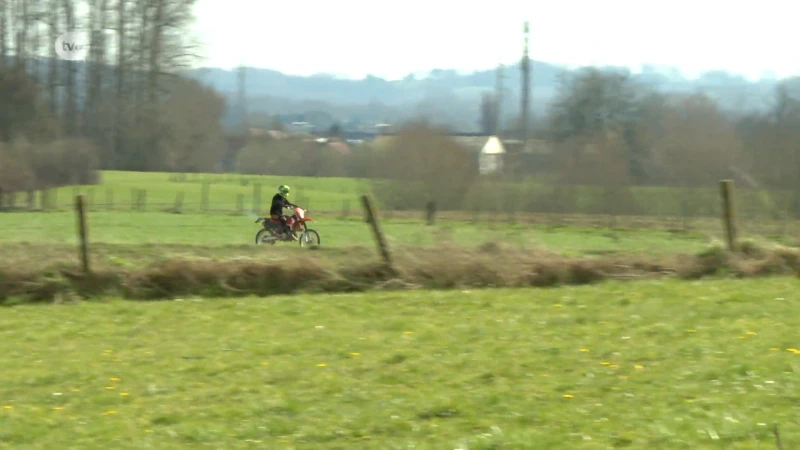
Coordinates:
[393,38]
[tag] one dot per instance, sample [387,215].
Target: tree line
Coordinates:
[127,107]
[124,107]
[603,131]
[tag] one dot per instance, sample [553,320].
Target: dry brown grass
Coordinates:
[439,268]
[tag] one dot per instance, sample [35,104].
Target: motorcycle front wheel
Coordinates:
[309,238]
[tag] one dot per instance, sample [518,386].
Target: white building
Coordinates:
[491,156]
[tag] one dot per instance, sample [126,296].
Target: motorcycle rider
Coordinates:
[280,201]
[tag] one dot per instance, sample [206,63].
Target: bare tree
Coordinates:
[98,23]
[70,107]
[423,163]
[53,24]
[119,122]
[35,11]
[594,101]
[489,116]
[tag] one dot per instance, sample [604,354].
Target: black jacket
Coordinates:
[278,203]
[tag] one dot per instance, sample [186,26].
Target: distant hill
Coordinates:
[444,96]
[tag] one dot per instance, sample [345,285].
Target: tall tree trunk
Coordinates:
[54,62]
[89,68]
[97,59]
[26,20]
[70,108]
[20,17]
[142,60]
[154,71]
[3,32]
[119,138]
[36,42]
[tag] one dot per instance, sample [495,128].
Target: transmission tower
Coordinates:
[499,102]
[525,67]
[242,99]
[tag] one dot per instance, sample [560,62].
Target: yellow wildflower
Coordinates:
[321,365]
[355,354]
[568,396]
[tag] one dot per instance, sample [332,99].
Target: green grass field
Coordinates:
[221,230]
[648,364]
[118,191]
[669,364]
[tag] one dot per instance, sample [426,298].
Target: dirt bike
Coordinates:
[272,231]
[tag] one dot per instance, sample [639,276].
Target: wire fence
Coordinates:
[196,207]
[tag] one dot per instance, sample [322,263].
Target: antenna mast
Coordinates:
[499,102]
[525,67]
[242,99]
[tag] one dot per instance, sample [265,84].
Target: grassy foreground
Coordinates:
[655,364]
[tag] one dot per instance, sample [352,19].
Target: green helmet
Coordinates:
[283,190]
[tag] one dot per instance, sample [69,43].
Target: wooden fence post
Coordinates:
[345,208]
[728,213]
[372,219]
[80,210]
[430,212]
[178,202]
